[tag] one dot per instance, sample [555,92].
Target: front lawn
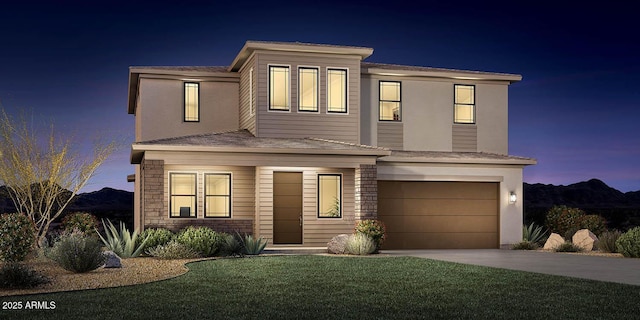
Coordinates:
[326,287]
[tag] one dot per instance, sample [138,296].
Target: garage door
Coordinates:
[439,215]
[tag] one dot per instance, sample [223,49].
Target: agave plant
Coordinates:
[253,246]
[122,242]
[533,233]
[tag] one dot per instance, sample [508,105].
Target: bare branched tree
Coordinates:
[42,175]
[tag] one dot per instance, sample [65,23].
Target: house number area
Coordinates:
[28,305]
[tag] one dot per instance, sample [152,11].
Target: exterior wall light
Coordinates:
[512,197]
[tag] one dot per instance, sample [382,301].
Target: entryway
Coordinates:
[287,207]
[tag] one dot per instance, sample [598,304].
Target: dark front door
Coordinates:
[287,207]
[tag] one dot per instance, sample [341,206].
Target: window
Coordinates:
[182,188]
[464,103]
[279,88]
[337,90]
[217,190]
[307,89]
[390,103]
[252,102]
[191,102]
[329,196]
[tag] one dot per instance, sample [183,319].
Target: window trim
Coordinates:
[465,104]
[252,105]
[340,175]
[269,66]
[194,173]
[303,67]
[398,101]
[184,101]
[346,91]
[205,195]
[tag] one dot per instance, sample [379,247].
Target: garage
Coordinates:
[439,215]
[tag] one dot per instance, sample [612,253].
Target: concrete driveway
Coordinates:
[620,270]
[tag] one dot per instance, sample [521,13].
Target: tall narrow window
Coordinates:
[191,102]
[390,101]
[308,89]
[182,188]
[217,190]
[464,103]
[279,88]
[252,103]
[329,196]
[337,90]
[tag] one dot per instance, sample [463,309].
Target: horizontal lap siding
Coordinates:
[315,232]
[247,121]
[390,135]
[294,124]
[465,138]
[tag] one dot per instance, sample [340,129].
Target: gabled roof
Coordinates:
[405,70]
[455,157]
[302,47]
[243,141]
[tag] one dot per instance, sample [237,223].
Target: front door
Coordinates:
[287,207]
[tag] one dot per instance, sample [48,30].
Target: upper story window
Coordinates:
[279,88]
[390,101]
[337,90]
[182,195]
[307,89]
[217,193]
[252,102]
[329,196]
[464,104]
[191,102]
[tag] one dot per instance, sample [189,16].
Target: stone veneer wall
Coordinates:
[366,192]
[155,211]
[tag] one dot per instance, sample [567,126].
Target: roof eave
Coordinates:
[511,78]
[519,162]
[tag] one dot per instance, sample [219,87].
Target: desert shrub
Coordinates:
[201,239]
[155,237]
[15,275]
[570,232]
[17,236]
[629,243]
[253,246]
[360,244]
[595,223]
[77,252]
[562,218]
[82,221]
[525,245]
[607,241]
[122,242]
[172,250]
[232,245]
[374,229]
[534,234]
[568,246]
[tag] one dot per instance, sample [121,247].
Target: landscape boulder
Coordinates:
[584,239]
[555,240]
[337,244]
[113,261]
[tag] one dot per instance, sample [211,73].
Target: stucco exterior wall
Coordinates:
[509,177]
[160,111]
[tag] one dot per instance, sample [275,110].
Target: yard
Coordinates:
[339,287]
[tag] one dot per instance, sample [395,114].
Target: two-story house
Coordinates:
[294,142]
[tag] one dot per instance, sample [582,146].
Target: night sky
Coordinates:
[576,109]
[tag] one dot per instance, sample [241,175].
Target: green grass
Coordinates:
[324,287]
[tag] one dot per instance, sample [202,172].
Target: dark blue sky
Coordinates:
[576,110]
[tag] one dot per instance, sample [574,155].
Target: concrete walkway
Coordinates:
[620,270]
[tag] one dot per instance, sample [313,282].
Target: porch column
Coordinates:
[366,180]
[153,209]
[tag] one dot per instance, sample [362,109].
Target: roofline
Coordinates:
[251,46]
[512,161]
[137,151]
[443,73]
